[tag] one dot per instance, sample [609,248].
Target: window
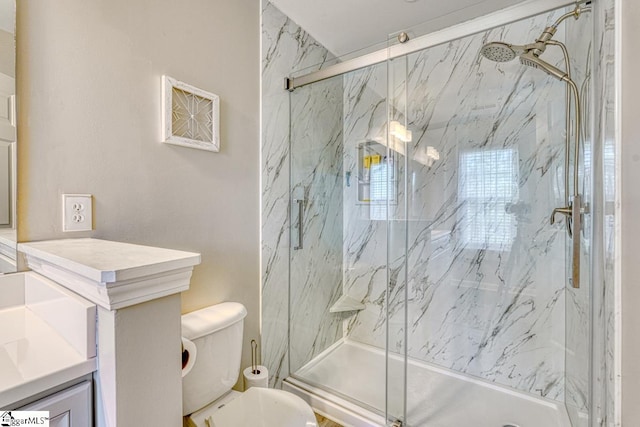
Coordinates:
[488,185]
[381,189]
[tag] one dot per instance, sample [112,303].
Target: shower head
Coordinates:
[531,60]
[502,52]
[498,52]
[505,52]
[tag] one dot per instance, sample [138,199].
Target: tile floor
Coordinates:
[323,422]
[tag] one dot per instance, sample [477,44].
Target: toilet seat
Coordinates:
[256,407]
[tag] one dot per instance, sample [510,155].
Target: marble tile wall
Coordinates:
[491,307]
[316,179]
[488,306]
[365,226]
[286,48]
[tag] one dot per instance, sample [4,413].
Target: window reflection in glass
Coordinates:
[488,185]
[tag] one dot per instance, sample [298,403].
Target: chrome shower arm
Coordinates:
[575,13]
[547,35]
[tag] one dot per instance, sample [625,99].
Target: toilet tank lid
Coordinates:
[211,319]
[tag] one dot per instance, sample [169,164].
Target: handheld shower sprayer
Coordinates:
[501,52]
[504,52]
[531,60]
[530,56]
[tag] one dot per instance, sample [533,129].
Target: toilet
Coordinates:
[211,368]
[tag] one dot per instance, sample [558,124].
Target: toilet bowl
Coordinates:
[256,407]
[211,368]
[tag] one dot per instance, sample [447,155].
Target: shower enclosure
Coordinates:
[427,285]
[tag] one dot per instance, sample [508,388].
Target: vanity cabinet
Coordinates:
[71,407]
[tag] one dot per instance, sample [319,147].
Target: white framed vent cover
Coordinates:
[190,116]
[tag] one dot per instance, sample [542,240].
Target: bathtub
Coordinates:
[436,397]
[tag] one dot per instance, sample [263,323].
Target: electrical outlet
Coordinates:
[77,212]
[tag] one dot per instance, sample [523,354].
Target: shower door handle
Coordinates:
[300,204]
[576,222]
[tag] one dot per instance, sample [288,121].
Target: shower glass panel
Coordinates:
[315,282]
[397,165]
[489,298]
[338,251]
[424,270]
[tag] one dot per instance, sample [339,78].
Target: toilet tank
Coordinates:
[217,334]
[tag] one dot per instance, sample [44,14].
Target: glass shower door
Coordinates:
[423,265]
[315,282]
[338,235]
[396,164]
[488,300]
[344,182]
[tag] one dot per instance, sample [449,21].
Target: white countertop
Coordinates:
[113,275]
[106,262]
[34,357]
[47,336]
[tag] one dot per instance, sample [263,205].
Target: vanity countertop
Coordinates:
[34,357]
[47,337]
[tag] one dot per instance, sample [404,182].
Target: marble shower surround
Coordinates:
[491,312]
[499,314]
[286,48]
[316,178]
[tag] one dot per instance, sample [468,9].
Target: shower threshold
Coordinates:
[350,372]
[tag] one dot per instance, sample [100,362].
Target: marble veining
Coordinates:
[488,307]
[461,268]
[287,48]
[316,182]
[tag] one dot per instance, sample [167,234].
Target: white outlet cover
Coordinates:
[77,212]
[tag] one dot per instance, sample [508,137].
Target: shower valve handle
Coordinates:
[573,213]
[564,211]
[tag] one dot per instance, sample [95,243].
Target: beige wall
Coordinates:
[630,208]
[89,122]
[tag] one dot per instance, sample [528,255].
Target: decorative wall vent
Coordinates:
[190,116]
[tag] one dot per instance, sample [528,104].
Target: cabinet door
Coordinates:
[62,420]
[7,108]
[67,408]
[7,141]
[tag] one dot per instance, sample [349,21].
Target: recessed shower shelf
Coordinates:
[346,303]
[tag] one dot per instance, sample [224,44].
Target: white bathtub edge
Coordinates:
[333,407]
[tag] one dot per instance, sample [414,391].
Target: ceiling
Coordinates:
[344,26]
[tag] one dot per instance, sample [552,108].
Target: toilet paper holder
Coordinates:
[255,375]
[254,358]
